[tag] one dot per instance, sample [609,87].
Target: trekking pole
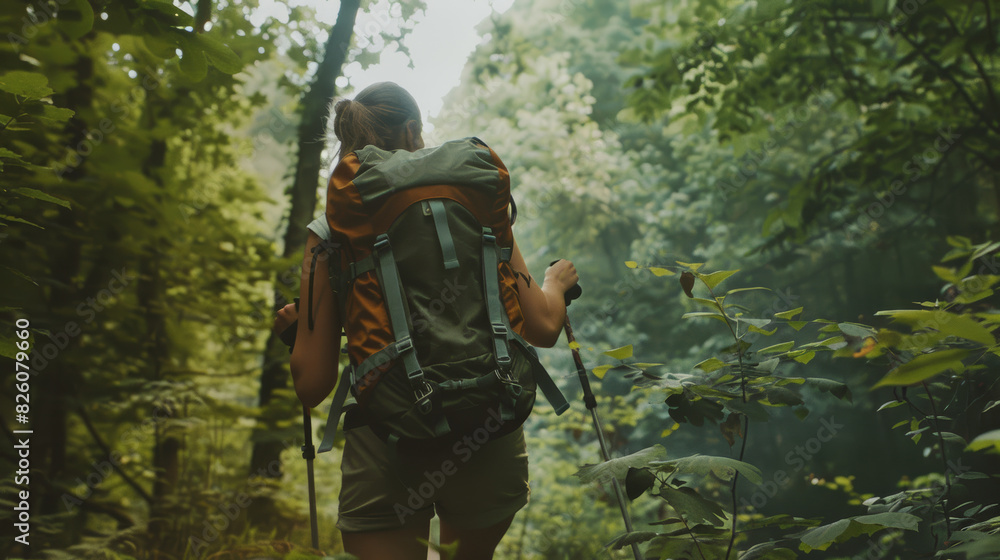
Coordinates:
[308,450]
[309,453]
[591,404]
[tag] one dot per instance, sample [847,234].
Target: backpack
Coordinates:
[428,299]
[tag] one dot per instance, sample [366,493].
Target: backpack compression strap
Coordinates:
[336,409]
[392,292]
[499,322]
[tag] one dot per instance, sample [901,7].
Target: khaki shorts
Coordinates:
[470,485]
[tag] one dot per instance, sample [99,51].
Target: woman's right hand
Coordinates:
[284,319]
[562,274]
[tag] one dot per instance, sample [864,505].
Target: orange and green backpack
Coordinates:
[420,263]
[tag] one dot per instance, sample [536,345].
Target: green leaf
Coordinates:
[890,404]
[710,365]
[76,18]
[805,357]
[39,195]
[170,14]
[750,289]
[768,551]
[989,440]
[788,315]
[218,53]
[7,347]
[599,371]
[951,437]
[8,154]
[714,279]
[637,481]
[659,271]
[619,467]
[194,65]
[693,266]
[25,84]
[765,332]
[19,220]
[946,274]
[782,396]
[631,264]
[56,114]
[753,410]
[716,315]
[21,275]
[620,353]
[635,537]
[962,326]
[854,329]
[835,388]
[709,303]
[696,509]
[840,531]
[722,467]
[777,348]
[925,366]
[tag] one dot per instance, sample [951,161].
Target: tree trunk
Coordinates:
[266,458]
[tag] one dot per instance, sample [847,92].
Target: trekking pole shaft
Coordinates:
[309,453]
[588,394]
[591,402]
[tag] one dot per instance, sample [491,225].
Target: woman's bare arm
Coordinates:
[543,305]
[316,353]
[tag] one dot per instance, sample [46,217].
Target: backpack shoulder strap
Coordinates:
[322,230]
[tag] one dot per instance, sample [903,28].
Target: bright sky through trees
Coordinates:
[440,44]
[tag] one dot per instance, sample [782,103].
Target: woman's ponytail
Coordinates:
[355,126]
[375,117]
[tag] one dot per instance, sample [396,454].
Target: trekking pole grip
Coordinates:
[574,292]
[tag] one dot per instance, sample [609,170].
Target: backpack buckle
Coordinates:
[423,395]
[499,329]
[505,376]
[404,345]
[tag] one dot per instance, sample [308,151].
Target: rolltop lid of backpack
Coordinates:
[360,196]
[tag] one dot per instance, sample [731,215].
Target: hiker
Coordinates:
[476,489]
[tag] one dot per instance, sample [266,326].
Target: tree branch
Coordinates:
[948,75]
[107,452]
[979,67]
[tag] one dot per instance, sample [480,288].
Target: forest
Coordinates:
[784,214]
